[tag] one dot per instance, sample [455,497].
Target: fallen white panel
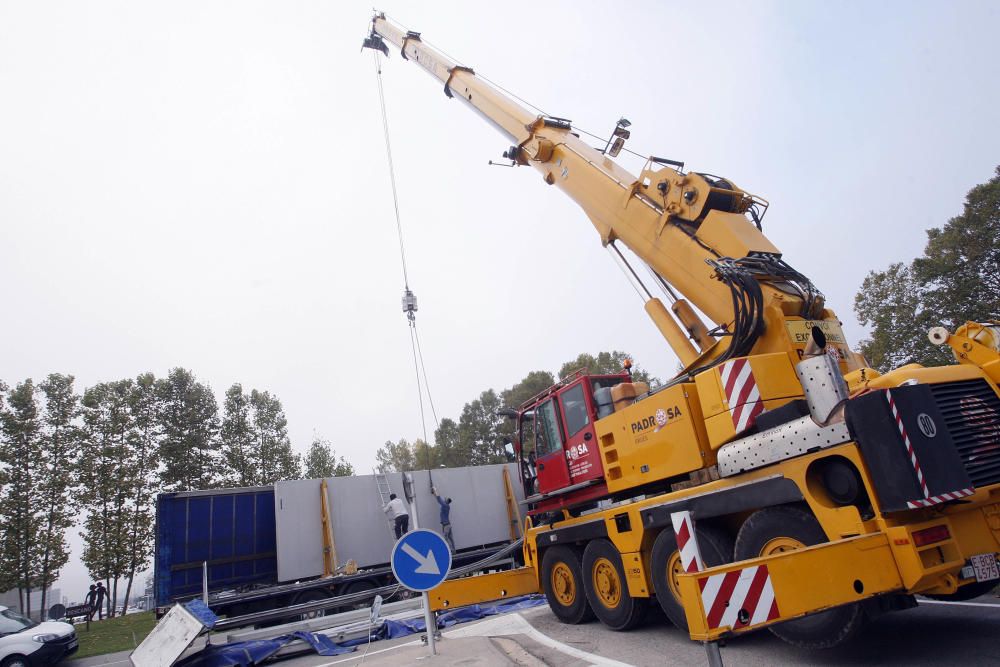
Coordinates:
[168,640]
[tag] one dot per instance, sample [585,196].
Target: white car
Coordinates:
[25,643]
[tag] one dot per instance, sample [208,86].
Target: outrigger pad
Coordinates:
[873,426]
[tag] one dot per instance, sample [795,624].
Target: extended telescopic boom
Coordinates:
[691,229]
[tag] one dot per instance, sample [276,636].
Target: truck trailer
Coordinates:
[261,548]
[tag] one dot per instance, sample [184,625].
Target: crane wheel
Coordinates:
[607,590]
[562,582]
[774,530]
[716,547]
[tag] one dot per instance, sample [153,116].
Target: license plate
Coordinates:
[72,644]
[985,567]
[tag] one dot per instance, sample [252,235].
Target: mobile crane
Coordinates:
[821,491]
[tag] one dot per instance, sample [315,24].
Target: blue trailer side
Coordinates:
[232,529]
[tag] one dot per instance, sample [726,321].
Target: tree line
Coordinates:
[957,279]
[477,437]
[103,455]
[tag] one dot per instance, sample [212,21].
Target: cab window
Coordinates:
[547,429]
[575,408]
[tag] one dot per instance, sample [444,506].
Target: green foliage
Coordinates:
[450,450]
[531,385]
[605,363]
[481,430]
[100,458]
[20,476]
[237,439]
[256,450]
[60,445]
[403,456]
[956,279]
[424,455]
[189,447]
[322,461]
[141,469]
[891,301]
[107,485]
[273,450]
[961,263]
[479,435]
[395,457]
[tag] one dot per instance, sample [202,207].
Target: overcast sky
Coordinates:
[204,184]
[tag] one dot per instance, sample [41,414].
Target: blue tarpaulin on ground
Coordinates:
[250,653]
[247,654]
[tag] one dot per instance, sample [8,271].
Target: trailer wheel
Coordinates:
[774,530]
[562,582]
[607,590]
[313,595]
[358,587]
[716,548]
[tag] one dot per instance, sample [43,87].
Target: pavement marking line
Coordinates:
[356,655]
[961,604]
[514,624]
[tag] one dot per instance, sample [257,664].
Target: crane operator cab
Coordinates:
[555,442]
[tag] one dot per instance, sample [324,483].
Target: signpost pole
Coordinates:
[429,621]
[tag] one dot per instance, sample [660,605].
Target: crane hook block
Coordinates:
[409,302]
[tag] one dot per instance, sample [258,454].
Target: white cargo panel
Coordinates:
[361,529]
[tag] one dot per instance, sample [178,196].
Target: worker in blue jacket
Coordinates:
[445,504]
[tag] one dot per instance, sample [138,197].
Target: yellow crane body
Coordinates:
[811,484]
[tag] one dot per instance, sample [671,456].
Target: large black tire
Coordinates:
[716,547]
[773,530]
[15,661]
[562,581]
[607,590]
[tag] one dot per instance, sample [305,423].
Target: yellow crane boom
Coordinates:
[691,229]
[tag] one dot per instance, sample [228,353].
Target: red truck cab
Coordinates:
[555,443]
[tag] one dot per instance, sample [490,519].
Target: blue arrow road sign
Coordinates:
[421,560]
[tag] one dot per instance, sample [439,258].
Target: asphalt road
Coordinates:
[932,634]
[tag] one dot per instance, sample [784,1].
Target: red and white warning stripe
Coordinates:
[733,599]
[909,445]
[742,394]
[928,500]
[943,498]
[687,545]
[739,598]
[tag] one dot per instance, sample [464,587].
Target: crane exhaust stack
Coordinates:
[823,383]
